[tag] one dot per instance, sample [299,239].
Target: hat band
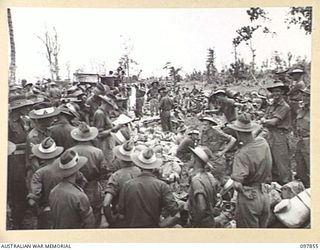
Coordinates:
[243,125]
[120,136]
[124,152]
[44,111]
[49,150]
[153,159]
[71,163]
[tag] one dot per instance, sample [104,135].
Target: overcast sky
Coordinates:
[181,36]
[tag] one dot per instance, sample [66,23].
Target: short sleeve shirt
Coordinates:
[280,110]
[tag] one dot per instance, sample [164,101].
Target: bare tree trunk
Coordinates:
[12,67]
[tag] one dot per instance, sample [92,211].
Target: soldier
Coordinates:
[219,143]
[278,121]
[165,107]
[142,199]
[42,116]
[140,93]
[296,85]
[17,190]
[153,95]
[117,180]
[44,180]
[302,154]
[203,190]
[94,170]
[61,130]
[70,206]
[251,171]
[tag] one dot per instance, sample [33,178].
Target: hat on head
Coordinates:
[146,159]
[43,110]
[122,120]
[243,123]
[11,147]
[203,153]
[155,82]
[194,131]
[47,149]
[163,89]
[69,110]
[84,133]
[209,119]
[278,84]
[108,100]
[297,71]
[123,152]
[19,101]
[100,87]
[70,163]
[219,91]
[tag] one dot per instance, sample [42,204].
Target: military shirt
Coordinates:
[280,110]
[252,163]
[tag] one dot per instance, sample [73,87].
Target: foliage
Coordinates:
[211,69]
[173,72]
[301,16]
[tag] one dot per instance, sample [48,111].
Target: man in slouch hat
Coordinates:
[70,206]
[143,198]
[278,121]
[203,190]
[251,171]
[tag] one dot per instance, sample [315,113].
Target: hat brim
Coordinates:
[284,88]
[35,150]
[196,154]
[120,156]
[253,127]
[32,114]
[75,134]
[209,120]
[140,164]
[20,105]
[68,172]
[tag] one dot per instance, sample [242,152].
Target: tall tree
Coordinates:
[245,33]
[12,67]
[211,69]
[301,16]
[52,47]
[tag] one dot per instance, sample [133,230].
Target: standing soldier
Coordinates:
[102,121]
[140,93]
[142,199]
[251,171]
[17,190]
[94,169]
[42,116]
[296,85]
[278,121]
[44,180]
[60,131]
[153,98]
[203,190]
[117,180]
[93,102]
[302,154]
[70,206]
[166,105]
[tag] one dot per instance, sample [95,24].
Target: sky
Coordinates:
[89,37]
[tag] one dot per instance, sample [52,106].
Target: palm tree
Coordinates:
[12,67]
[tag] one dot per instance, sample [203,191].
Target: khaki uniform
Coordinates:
[302,154]
[278,141]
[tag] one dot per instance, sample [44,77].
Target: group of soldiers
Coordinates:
[73,161]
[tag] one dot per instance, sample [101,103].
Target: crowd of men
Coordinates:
[79,158]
